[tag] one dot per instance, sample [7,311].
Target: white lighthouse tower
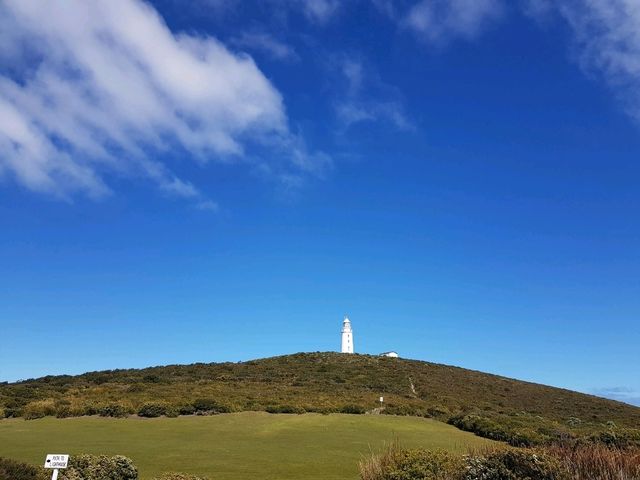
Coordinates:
[347,336]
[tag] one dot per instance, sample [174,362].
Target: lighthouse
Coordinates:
[347,336]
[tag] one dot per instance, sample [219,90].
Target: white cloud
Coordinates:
[607,41]
[351,112]
[319,10]
[264,42]
[95,89]
[367,98]
[208,205]
[439,21]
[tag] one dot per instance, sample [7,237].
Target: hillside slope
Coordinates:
[492,406]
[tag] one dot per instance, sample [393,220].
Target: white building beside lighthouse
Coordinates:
[347,336]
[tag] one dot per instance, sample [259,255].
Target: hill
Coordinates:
[496,407]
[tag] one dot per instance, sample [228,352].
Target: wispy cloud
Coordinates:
[607,43]
[440,21]
[367,98]
[266,43]
[622,394]
[90,90]
[319,10]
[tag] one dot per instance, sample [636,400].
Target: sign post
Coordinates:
[56,461]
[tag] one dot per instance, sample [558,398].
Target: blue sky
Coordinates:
[224,180]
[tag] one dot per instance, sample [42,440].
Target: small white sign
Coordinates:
[381,399]
[55,460]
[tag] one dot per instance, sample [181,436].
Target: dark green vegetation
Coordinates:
[99,467]
[575,462]
[517,412]
[14,470]
[80,467]
[237,446]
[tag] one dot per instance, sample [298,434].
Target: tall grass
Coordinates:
[376,465]
[597,462]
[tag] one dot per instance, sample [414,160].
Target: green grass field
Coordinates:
[233,446]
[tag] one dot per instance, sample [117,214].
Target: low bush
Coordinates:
[285,409]
[438,411]
[39,409]
[152,410]
[403,410]
[512,464]
[63,411]
[91,408]
[395,463]
[99,467]
[117,410]
[186,410]
[209,405]
[171,411]
[618,437]
[13,412]
[14,470]
[353,409]
[504,429]
[425,465]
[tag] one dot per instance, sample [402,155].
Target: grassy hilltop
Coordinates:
[495,407]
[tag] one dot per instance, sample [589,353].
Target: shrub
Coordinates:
[512,464]
[99,467]
[39,409]
[91,408]
[13,412]
[425,465]
[151,379]
[186,409]
[438,411]
[285,409]
[618,438]
[63,411]
[114,410]
[151,410]
[353,409]
[503,429]
[403,410]
[209,405]
[397,464]
[574,421]
[14,470]
[171,411]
